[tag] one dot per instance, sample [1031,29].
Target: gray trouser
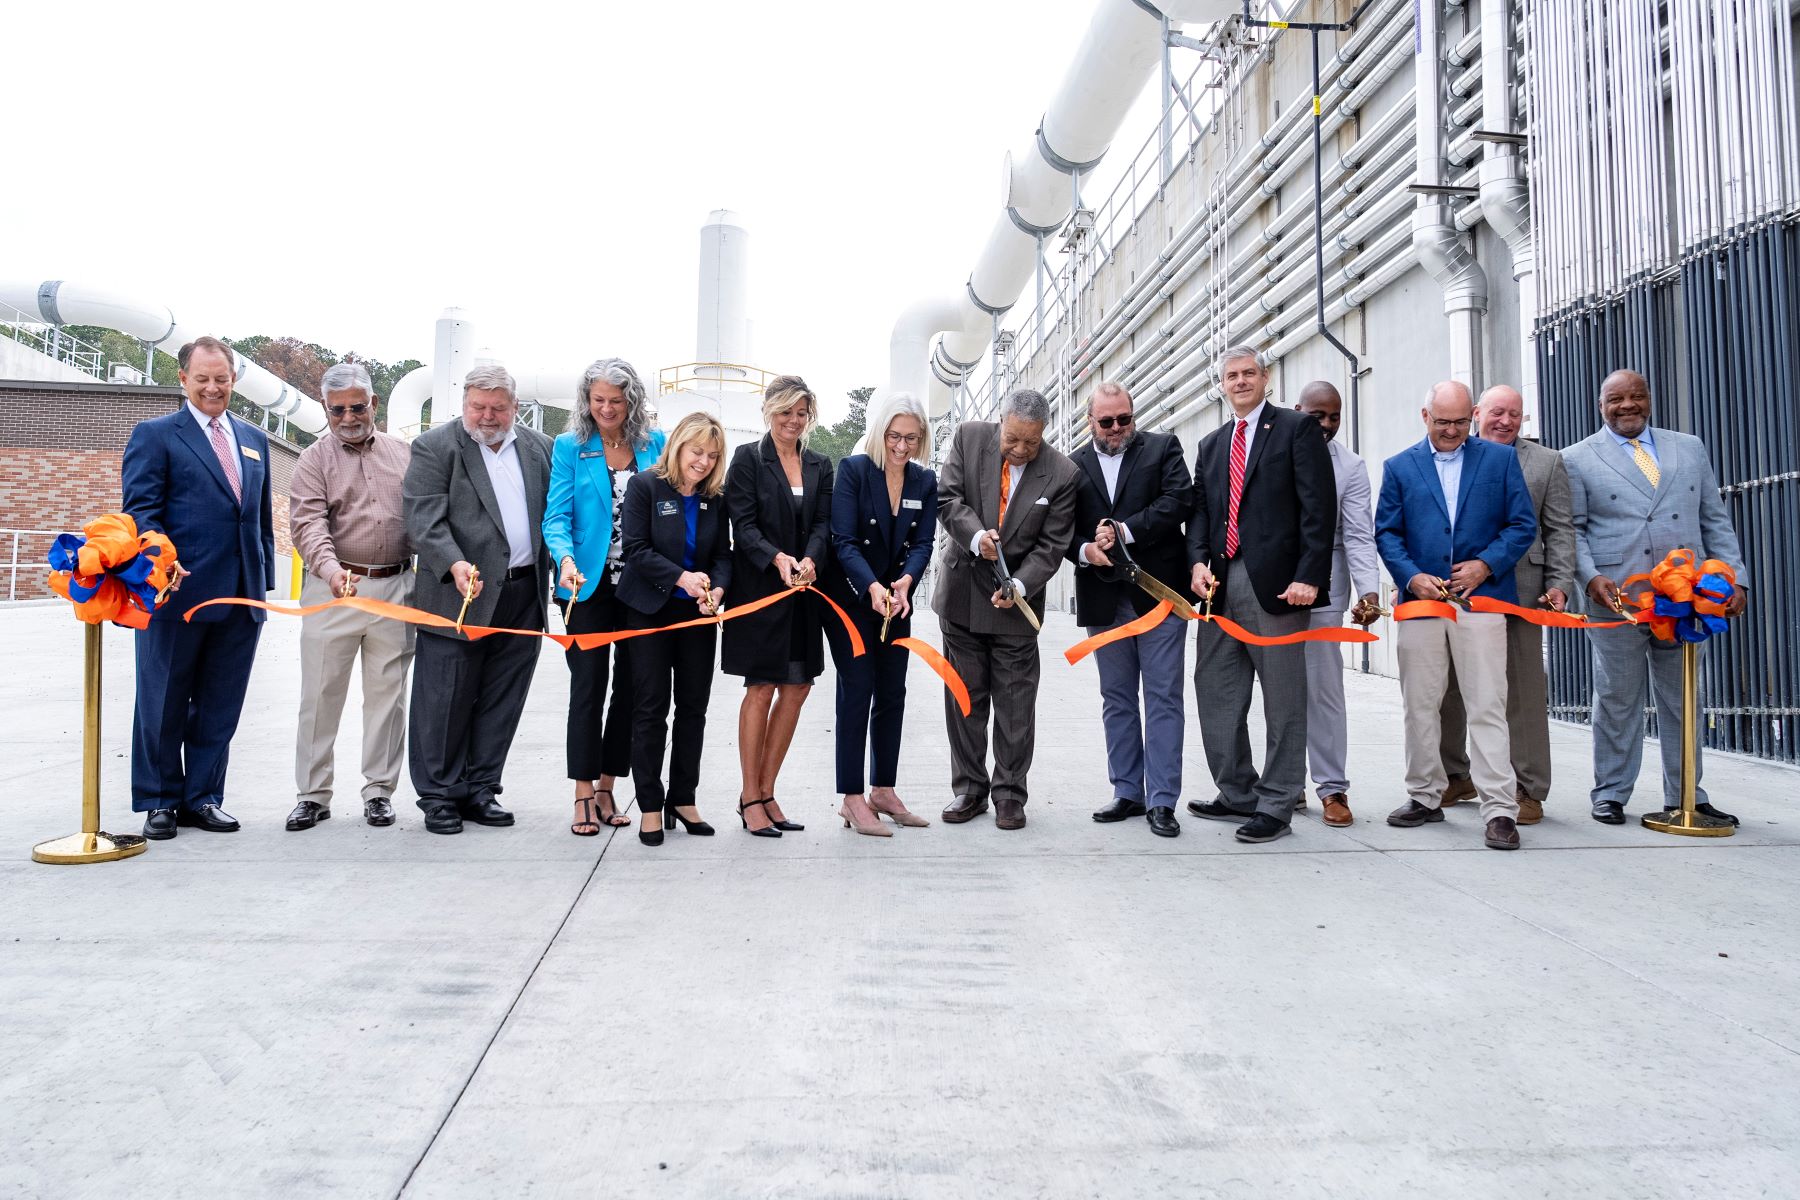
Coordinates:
[1143,751]
[329,645]
[1622,679]
[1225,670]
[1001,671]
[1527,713]
[1327,723]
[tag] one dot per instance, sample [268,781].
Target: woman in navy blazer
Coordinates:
[677,567]
[590,466]
[883,520]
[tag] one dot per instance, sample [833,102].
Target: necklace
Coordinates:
[612,445]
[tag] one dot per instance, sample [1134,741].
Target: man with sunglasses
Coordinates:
[349,528]
[1135,493]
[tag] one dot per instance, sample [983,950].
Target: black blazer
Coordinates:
[764,524]
[873,544]
[654,529]
[1154,496]
[1287,514]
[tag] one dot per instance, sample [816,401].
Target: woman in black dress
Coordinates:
[779,495]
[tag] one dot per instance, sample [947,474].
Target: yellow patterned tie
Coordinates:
[1644,462]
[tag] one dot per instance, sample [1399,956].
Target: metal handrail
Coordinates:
[13,566]
[683,376]
[52,342]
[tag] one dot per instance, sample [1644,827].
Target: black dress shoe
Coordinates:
[209,817]
[306,814]
[442,818]
[485,811]
[1120,809]
[159,824]
[1262,828]
[1009,814]
[965,808]
[1609,812]
[1218,810]
[1710,811]
[1163,822]
[1412,814]
[379,811]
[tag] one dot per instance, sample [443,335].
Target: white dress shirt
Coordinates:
[1012,489]
[1109,471]
[231,442]
[508,478]
[1254,417]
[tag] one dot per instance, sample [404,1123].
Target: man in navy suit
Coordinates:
[1454,518]
[200,476]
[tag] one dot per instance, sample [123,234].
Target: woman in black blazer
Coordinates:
[779,495]
[883,520]
[677,567]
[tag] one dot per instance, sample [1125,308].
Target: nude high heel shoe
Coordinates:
[853,820]
[898,812]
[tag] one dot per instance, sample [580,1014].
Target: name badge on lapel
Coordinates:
[593,454]
[667,508]
[703,506]
[912,504]
[249,453]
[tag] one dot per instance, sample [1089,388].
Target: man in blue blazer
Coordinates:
[200,476]
[1454,518]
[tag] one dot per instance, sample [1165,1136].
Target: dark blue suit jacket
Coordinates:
[173,484]
[1495,521]
[874,544]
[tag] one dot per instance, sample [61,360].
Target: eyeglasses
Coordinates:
[355,410]
[1123,421]
[905,439]
[1439,423]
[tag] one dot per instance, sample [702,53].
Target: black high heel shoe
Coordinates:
[696,827]
[784,823]
[765,831]
[654,837]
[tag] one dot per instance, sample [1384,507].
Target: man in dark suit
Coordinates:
[475,494]
[1135,489]
[1002,493]
[1265,509]
[200,476]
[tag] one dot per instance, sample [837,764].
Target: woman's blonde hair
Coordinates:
[900,404]
[782,394]
[695,427]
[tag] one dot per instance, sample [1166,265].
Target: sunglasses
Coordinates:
[1123,421]
[355,410]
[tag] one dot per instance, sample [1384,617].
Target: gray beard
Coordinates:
[491,441]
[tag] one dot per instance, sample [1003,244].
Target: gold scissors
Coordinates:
[887,617]
[468,595]
[1158,590]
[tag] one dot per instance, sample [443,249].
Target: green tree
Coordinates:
[837,442]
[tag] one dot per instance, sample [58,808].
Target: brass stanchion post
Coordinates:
[1685,820]
[90,845]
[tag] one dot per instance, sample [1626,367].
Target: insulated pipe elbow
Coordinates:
[1447,257]
[406,403]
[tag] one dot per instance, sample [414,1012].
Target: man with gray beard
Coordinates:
[475,509]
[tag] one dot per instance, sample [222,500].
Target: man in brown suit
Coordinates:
[1003,497]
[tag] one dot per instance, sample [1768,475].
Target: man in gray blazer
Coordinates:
[474,497]
[1545,579]
[1355,569]
[1003,495]
[1638,492]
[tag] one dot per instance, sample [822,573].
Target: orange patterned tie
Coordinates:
[1005,490]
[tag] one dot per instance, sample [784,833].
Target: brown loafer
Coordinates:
[1460,787]
[1502,834]
[966,808]
[1009,814]
[1530,811]
[1337,809]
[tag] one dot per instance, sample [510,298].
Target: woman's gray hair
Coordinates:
[900,404]
[491,377]
[1236,352]
[346,377]
[623,376]
[1027,405]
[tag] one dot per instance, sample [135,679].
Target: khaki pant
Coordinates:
[1527,713]
[1475,645]
[329,643]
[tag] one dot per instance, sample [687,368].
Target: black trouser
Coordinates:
[876,681]
[467,698]
[599,737]
[676,665]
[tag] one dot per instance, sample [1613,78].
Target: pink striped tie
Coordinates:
[222,448]
[1237,490]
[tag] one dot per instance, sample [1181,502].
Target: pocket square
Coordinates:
[1042,500]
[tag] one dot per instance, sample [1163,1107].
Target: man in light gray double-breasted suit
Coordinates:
[1546,579]
[474,497]
[1638,492]
[1002,493]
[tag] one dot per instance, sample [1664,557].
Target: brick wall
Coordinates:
[60,450]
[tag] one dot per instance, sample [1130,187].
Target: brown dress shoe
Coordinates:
[966,808]
[1502,834]
[1530,811]
[1337,809]
[1009,814]
[1460,787]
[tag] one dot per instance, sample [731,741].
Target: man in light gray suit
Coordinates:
[1638,492]
[1355,568]
[1546,579]
[474,496]
[1002,496]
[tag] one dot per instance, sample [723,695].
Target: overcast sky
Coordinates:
[343,172]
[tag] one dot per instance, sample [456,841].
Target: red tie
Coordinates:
[1237,489]
[222,448]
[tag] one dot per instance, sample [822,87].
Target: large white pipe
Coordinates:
[60,302]
[1505,195]
[723,330]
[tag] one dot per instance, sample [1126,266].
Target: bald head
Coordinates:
[1320,401]
[1625,403]
[1501,414]
[1449,411]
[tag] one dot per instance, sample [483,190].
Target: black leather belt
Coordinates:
[368,572]
[514,574]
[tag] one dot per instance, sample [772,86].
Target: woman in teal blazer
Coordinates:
[609,442]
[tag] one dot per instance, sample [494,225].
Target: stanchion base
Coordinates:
[1687,824]
[89,848]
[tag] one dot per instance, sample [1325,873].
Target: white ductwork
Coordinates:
[1505,193]
[1444,250]
[60,303]
[456,353]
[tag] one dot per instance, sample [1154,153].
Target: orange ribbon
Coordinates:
[1153,618]
[1413,610]
[937,662]
[1130,629]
